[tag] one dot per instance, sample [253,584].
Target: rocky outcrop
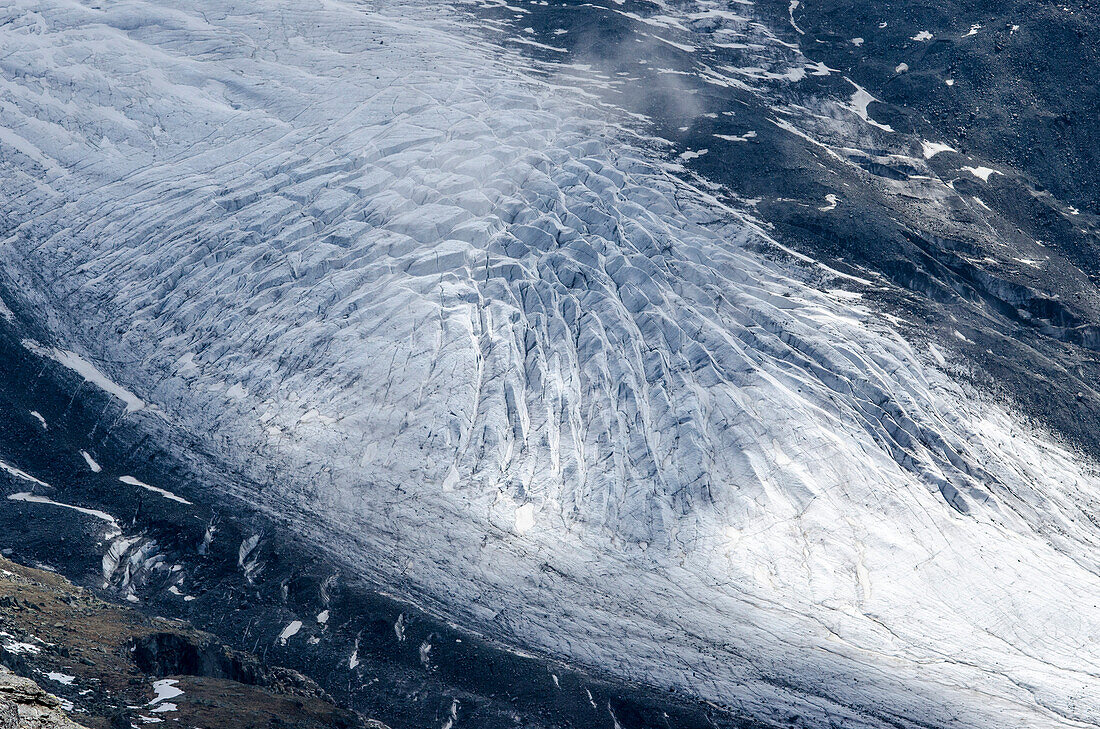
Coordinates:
[119,667]
[25,705]
[176,654]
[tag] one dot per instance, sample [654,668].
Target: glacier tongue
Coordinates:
[489,350]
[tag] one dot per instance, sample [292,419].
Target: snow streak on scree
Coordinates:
[491,352]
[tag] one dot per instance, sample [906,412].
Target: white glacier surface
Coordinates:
[473,334]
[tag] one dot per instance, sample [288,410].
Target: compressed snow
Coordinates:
[463,327]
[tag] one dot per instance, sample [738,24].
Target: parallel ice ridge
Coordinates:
[485,347]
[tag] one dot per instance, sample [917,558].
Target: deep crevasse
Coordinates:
[495,354]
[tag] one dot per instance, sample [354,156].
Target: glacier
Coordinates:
[475,333]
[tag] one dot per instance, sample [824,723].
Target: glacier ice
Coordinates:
[474,336]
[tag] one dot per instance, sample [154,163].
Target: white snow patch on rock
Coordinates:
[130,480]
[860,100]
[92,465]
[290,631]
[22,475]
[931,149]
[982,173]
[165,689]
[88,371]
[737,137]
[30,498]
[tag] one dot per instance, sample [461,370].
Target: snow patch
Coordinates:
[859,101]
[290,631]
[931,149]
[737,138]
[982,173]
[353,660]
[164,690]
[690,154]
[18,647]
[22,475]
[89,372]
[790,12]
[399,627]
[95,467]
[525,518]
[30,498]
[130,480]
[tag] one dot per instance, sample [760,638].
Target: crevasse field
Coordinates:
[480,337]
